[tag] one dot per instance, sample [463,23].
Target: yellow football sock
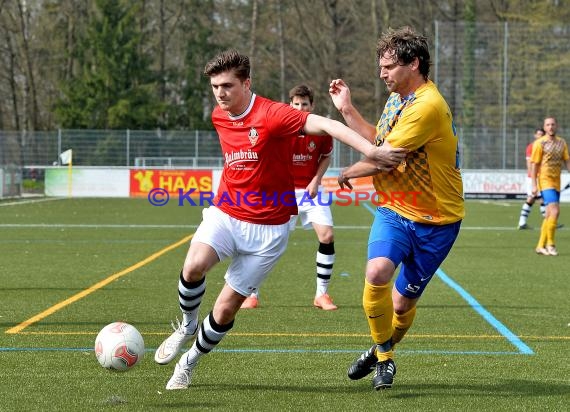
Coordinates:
[401,324]
[550,231]
[379,309]
[542,239]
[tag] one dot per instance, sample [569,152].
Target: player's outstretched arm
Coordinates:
[386,157]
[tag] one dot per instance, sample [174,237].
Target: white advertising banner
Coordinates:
[87,182]
[102,182]
[493,184]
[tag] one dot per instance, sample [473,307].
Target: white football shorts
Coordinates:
[311,211]
[254,248]
[529,188]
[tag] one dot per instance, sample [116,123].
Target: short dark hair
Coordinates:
[405,45]
[229,60]
[539,129]
[301,90]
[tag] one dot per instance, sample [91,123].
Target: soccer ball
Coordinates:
[119,346]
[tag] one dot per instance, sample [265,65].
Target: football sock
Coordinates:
[383,353]
[550,230]
[379,309]
[543,210]
[542,239]
[209,335]
[525,211]
[189,297]
[325,262]
[401,323]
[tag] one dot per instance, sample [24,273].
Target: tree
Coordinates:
[114,87]
[199,48]
[469,39]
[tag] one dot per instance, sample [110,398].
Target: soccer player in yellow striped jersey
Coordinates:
[548,153]
[421,200]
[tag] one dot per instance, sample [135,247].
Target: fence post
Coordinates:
[58,145]
[505,66]
[516,149]
[436,57]
[128,146]
[196,153]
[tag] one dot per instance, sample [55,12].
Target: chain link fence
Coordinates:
[201,149]
[499,79]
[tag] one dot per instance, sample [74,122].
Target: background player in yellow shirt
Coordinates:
[419,229]
[548,154]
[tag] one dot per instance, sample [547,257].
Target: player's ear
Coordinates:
[415,64]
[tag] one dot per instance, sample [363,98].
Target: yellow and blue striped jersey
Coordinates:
[549,154]
[427,187]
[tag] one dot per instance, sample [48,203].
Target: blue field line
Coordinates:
[370,208]
[318,351]
[494,322]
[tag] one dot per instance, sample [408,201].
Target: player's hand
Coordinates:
[312,189]
[388,157]
[342,180]
[340,94]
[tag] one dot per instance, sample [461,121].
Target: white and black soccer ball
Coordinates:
[119,346]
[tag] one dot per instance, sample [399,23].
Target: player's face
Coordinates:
[396,76]
[550,126]
[231,93]
[538,134]
[302,103]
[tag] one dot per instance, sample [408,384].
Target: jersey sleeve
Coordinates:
[285,121]
[536,156]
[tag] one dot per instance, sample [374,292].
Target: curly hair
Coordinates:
[404,44]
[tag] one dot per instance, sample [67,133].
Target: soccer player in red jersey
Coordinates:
[530,198]
[249,219]
[311,159]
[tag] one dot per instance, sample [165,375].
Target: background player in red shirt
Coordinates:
[249,219]
[530,198]
[311,159]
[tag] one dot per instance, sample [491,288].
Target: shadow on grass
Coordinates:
[511,387]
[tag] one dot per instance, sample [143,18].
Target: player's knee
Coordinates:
[327,237]
[379,271]
[402,304]
[194,270]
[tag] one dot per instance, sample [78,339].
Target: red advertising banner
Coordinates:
[363,184]
[142,181]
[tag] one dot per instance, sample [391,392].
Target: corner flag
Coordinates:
[66,157]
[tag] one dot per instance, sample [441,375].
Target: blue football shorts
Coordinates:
[420,248]
[550,196]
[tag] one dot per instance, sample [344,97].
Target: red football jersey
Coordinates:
[528,155]
[257,184]
[307,151]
